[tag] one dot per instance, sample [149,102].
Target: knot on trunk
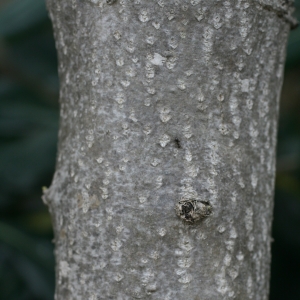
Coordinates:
[192,210]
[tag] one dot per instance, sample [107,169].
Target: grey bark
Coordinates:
[165,104]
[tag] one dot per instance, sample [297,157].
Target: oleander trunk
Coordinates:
[165,170]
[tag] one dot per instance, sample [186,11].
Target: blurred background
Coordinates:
[28,136]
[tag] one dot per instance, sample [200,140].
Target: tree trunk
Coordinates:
[166,160]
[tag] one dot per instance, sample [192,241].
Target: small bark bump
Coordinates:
[192,210]
[110,2]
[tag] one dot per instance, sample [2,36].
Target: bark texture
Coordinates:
[165,103]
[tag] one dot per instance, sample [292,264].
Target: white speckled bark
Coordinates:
[162,101]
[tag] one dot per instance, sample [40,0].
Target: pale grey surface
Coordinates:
[163,101]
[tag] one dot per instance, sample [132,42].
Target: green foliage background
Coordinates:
[28,136]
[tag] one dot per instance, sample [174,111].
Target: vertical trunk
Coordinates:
[167,107]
